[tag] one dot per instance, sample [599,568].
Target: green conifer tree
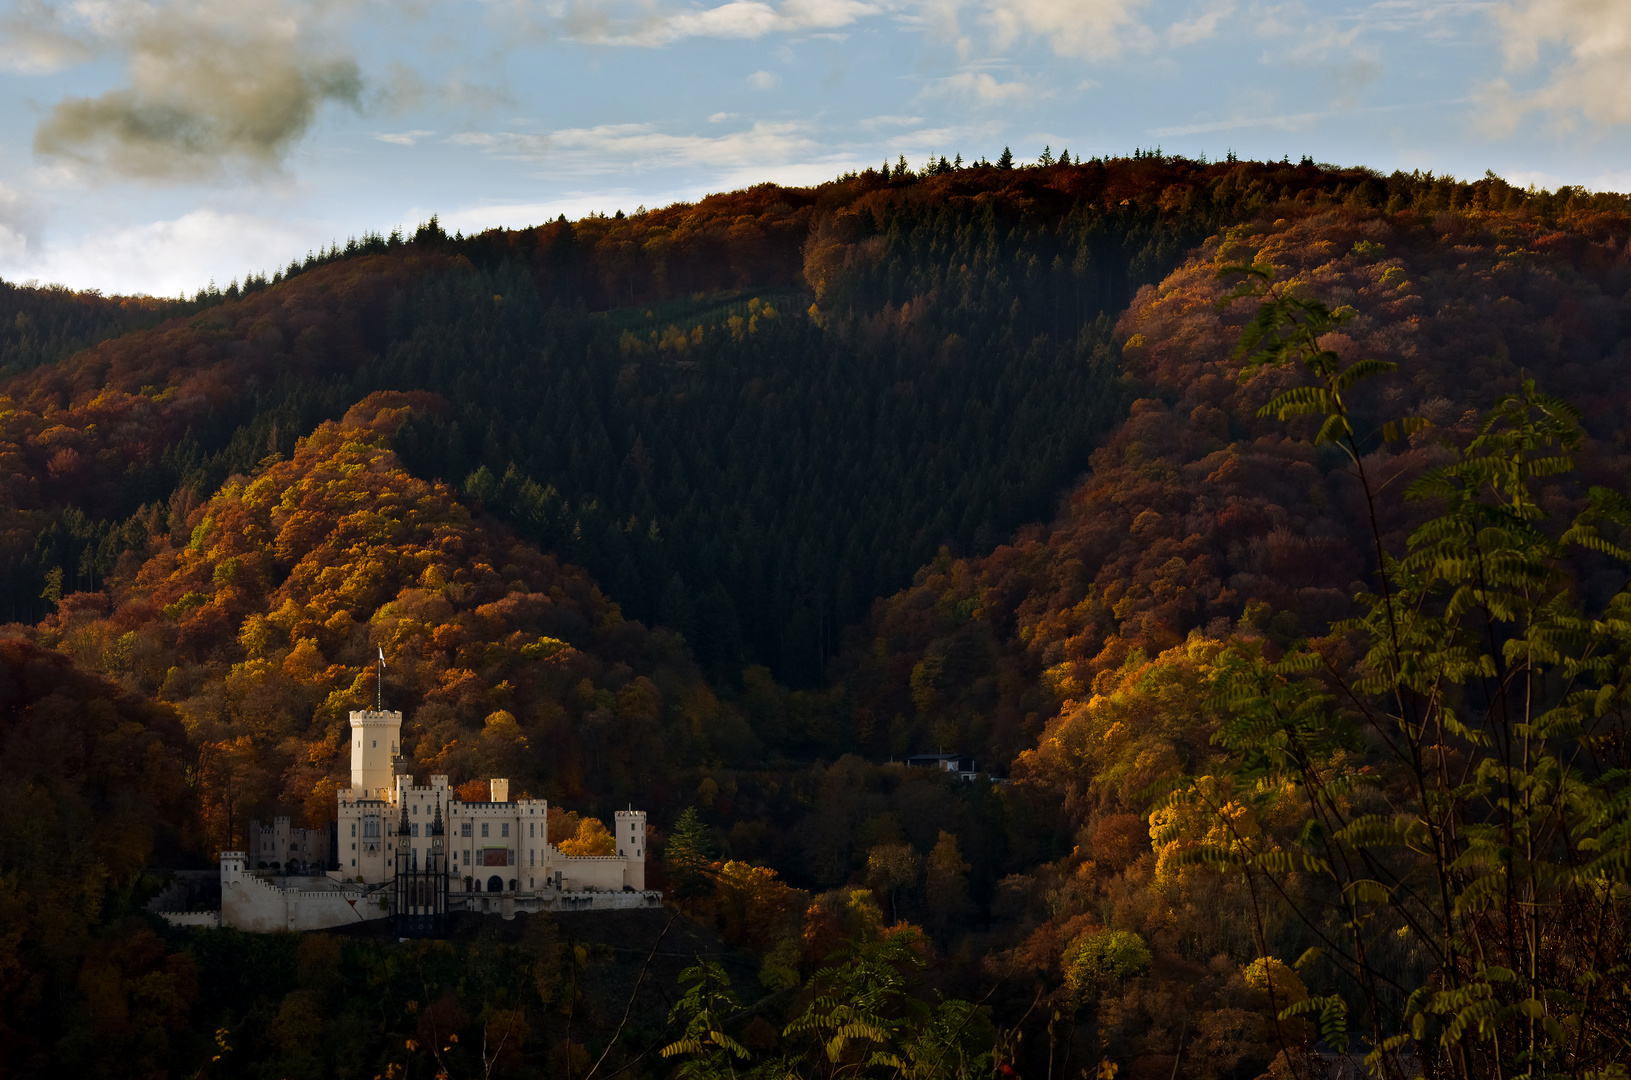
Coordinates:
[688,856]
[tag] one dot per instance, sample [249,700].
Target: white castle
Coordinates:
[415,852]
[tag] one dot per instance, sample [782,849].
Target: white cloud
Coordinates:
[1289,121]
[162,258]
[622,148]
[402,138]
[1589,82]
[764,80]
[1341,50]
[34,40]
[1201,27]
[1088,29]
[19,225]
[1608,180]
[508,145]
[609,24]
[977,86]
[721,117]
[876,123]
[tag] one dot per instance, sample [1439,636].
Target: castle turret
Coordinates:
[437,841]
[404,842]
[631,844]
[375,738]
[234,864]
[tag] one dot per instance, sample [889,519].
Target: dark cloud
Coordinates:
[211,88]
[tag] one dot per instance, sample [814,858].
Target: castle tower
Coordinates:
[631,844]
[375,744]
[234,865]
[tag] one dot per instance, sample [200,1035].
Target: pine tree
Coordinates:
[1006,161]
[1047,157]
[688,856]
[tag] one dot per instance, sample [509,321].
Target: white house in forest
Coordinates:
[416,851]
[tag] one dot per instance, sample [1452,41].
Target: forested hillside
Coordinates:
[960,311]
[1198,514]
[728,507]
[43,325]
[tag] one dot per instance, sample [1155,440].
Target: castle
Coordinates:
[414,852]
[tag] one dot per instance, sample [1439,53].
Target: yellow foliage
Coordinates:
[1206,815]
[753,905]
[502,726]
[1265,972]
[256,636]
[1120,738]
[591,839]
[304,661]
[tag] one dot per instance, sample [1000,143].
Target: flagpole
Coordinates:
[379,692]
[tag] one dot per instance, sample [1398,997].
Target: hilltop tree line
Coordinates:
[942,305]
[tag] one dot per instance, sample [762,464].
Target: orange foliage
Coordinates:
[263,625]
[1197,514]
[751,906]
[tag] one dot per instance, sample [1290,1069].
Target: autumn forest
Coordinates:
[1262,531]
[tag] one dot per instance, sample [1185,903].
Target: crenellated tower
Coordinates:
[631,845]
[375,744]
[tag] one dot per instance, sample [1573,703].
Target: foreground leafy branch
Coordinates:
[1451,811]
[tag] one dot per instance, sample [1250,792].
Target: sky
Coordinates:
[154,146]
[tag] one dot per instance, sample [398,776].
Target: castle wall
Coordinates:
[607,873]
[253,904]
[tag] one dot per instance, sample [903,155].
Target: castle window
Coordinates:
[353,828]
[504,829]
[416,828]
[464,830]
[532,829]
[484,828]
